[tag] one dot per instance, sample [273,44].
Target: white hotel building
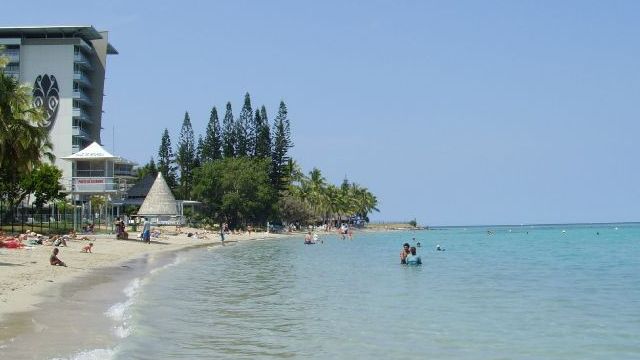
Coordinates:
[65,65]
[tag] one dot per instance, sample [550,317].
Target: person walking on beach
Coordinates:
[222,232]
[406,250]
[146,231]
[53,259]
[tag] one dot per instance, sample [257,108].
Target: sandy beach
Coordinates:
[26,273]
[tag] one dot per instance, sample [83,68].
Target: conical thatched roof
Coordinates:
[159,200]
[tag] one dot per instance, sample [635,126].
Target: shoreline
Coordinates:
[26,274]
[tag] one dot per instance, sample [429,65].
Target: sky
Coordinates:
[450,112]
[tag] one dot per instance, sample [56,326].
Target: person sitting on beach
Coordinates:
[60,241]
[53,259]
[404,253]
[413,259]
[87,248]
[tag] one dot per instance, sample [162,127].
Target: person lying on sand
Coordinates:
[87,248]
[53,259]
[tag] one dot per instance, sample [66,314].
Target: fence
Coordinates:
[52,219]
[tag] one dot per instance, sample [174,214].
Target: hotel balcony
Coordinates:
[81,114]
[82,97]
[80,132]
[12,72]
[12,54]
[81,59]
[82,78]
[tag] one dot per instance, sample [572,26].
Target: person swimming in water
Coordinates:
[438,248]
[413,258]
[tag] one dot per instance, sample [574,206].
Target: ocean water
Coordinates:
[523,292]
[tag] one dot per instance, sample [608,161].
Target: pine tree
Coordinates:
[211,148]
[281,145]
[228,133]
[166,160]
[186,156]
[245,132]
[263,134]
[198,158]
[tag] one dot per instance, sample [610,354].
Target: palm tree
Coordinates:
[23,141]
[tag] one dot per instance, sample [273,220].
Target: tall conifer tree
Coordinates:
[166,160]
[263,133]
[186,156]
[228,133]
[281,145]
[198,158]
[212,145]
[245,132]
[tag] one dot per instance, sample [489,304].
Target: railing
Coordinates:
[80,58]
[91,185]
[82,77]
[81,114]
[12,54]
[79,131]
[81,96]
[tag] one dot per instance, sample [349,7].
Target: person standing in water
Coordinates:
[404,253]
[413,258]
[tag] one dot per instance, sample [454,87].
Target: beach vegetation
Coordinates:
[186,156]
[228,133]
[24,142]
[212,144]
[166,160]
[263,133]
[243,174]
[236,190]
[148,169]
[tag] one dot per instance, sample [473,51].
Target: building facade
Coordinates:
[65,66]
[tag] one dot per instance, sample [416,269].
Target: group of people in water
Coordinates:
[409,254]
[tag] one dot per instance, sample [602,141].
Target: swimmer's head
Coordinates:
[406,245]
[413,250]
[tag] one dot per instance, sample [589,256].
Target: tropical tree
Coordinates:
[44,184]
[186,156]
[281,144]
[148,169]
[236,190]
[263,133]
[166,160]
[23,141]
[228,133]
[212,146]
[245,130]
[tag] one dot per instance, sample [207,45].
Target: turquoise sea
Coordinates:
[523,292]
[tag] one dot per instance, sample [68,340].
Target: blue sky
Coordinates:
[452,112]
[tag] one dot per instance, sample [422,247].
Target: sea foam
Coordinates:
[96,354]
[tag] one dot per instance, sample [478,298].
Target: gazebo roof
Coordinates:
[159,200]
[91,152]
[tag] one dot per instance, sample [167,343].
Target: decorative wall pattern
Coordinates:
[46,94]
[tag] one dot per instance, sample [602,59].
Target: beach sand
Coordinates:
[62,309]
[25,273]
